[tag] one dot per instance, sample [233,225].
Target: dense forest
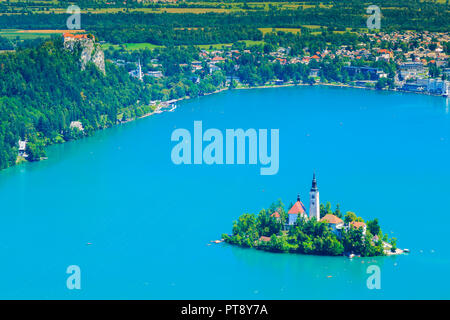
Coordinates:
[5,44]
[42,90]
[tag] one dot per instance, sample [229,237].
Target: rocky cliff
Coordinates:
[90,50]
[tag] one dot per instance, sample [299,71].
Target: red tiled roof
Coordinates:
[297,208]
[331,218]
[384,51]
[264,238]
[275,214]
[357,224]
[76,36]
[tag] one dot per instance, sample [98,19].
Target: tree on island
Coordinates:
[394,244]
[373,227]
[325,209]
[34,151]
[338,212]
[351,216]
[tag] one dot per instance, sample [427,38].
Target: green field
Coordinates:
[32,34]
[130,46]
[222,45]
[23,36]
[141,46]
[198,7]
[268,30]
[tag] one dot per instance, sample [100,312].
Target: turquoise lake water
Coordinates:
[379,154]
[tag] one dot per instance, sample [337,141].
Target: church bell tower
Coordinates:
[314,204]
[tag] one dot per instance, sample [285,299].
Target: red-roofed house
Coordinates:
[358,224]
[333,221]
[297,208]
[264,238]
[276,215]
[389,54]
[217,59]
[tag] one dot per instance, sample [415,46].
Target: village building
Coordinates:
[264,239]
[213,68]
[372,72]
[359,224]
[297,209]
[76,124]
[155,74]
[436,86]
[411,69]
[276,215]
[22,148]
[336,224]
[138,72]
[314,72]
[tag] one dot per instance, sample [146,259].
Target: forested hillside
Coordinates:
[42,89]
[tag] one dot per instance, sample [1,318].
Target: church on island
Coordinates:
[298,209]
[316,230]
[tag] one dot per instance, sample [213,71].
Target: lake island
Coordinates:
[321,232]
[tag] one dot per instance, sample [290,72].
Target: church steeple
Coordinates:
[314,183]
[140,75]
[314,202]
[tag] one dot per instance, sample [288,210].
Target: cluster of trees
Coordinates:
[5,44]
[177,36]
[307,236]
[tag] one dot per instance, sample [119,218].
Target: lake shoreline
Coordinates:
[163,104]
